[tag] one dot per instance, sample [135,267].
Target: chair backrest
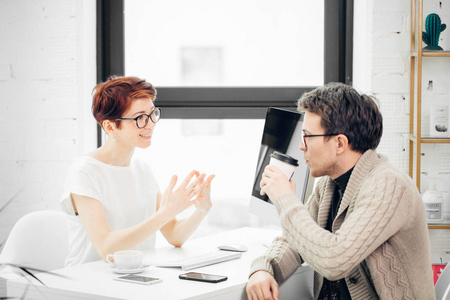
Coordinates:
[38,240]
[442,286]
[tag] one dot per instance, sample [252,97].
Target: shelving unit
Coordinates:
[439,226]
[416,140]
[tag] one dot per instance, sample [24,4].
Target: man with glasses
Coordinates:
[363,230]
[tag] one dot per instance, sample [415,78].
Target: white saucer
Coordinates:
[128,271]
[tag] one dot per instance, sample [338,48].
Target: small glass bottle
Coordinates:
[434,204]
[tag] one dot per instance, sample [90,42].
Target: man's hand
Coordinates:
[275,184]
[262,286]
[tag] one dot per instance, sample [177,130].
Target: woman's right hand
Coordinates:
[188,193]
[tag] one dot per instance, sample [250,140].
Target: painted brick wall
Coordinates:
[381,67]
[44,72]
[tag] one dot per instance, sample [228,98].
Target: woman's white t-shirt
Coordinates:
[128,195]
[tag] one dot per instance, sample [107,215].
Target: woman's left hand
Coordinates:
[204,204]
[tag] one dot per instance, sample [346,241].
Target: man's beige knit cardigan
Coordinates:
[379,242]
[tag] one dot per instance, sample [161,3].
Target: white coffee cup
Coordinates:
[287,164]
[125,259]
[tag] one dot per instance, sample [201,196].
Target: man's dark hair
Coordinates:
[343,110]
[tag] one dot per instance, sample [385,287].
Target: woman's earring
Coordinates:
[114,139]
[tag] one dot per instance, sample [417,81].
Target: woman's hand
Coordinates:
[188,193]
[204,204]
[275,184]
[197,193]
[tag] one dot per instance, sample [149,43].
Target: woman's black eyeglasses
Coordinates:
[142,120]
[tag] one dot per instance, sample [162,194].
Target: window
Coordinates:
[217,66]
[234,43]
[230,73]
[209,146]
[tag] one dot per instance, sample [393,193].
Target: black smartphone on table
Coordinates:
[203,277]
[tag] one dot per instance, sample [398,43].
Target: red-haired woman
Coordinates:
[114,201]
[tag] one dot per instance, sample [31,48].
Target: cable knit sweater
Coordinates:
[379,242]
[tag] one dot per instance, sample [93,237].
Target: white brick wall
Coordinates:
[47,70]
[381,68]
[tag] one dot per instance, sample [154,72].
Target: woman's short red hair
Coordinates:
[113,98]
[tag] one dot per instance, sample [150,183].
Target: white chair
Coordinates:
[39,240]
[442,286]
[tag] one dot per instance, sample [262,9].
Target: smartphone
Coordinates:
[203,277]
[138,279]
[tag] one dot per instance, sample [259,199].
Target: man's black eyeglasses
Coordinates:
[142,120]
[304,136]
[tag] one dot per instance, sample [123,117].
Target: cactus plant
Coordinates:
[433,29]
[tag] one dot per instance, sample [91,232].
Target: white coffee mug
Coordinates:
[284,162]
[125,259]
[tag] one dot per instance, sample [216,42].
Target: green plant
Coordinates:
[433,29]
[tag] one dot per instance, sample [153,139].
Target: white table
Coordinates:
[95,280]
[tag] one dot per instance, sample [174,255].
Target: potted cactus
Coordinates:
[433,29]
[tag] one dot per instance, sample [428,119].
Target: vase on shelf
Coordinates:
[434,204]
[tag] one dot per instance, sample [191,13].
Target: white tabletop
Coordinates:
[96,280]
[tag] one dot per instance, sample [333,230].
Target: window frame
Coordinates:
[228,102]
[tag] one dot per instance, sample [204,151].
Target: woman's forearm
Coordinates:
[131,237]
[181,230]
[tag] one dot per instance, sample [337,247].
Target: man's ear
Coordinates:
[109,127]
[341,143]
